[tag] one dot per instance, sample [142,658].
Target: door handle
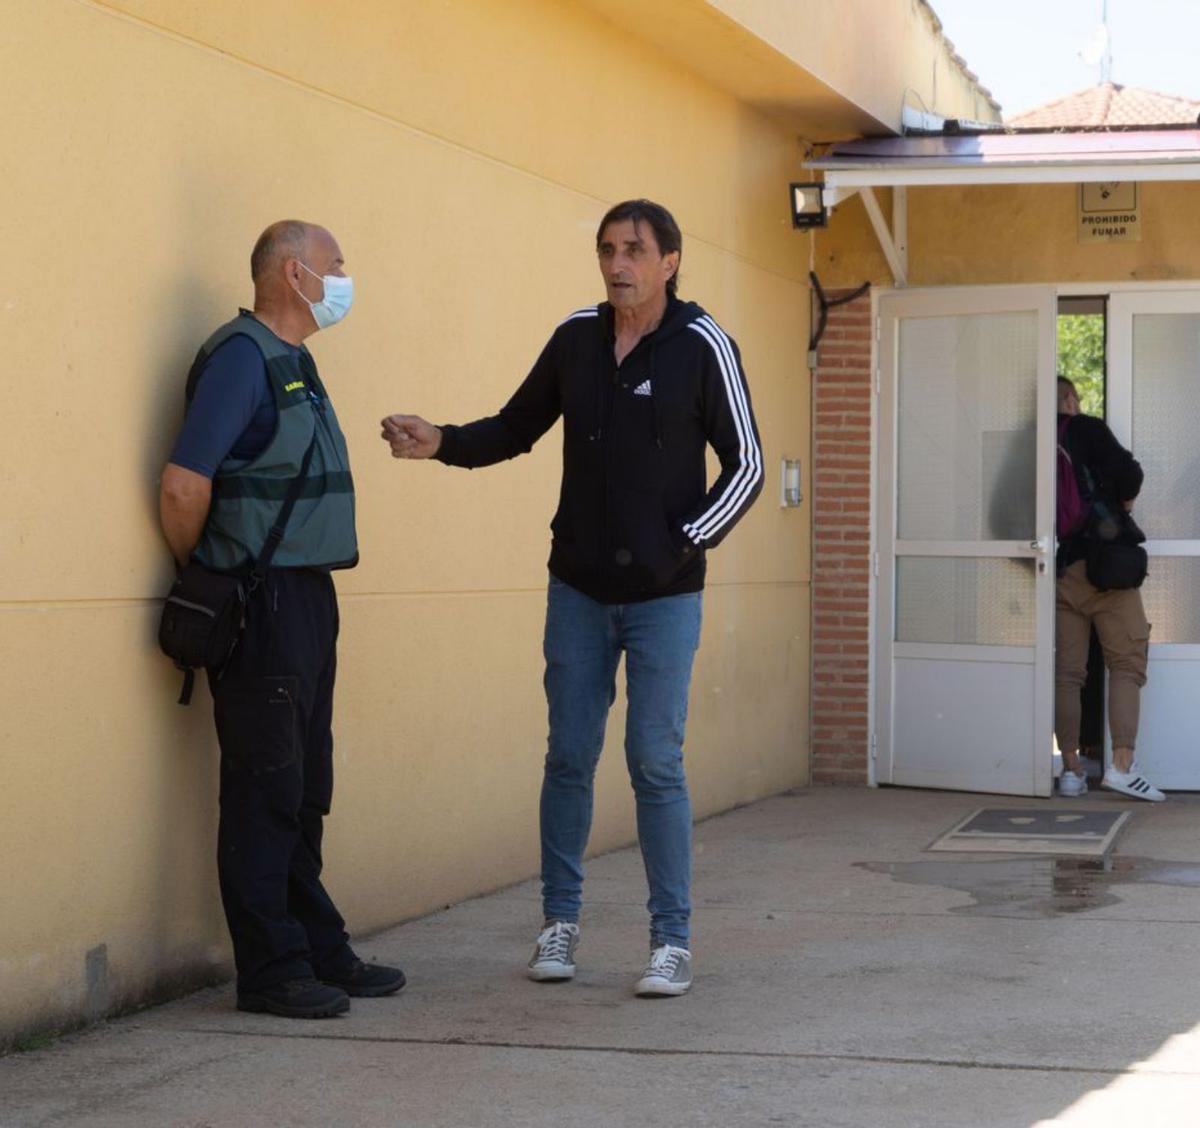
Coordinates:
[1041,545]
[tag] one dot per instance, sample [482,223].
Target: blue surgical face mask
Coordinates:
[339,296]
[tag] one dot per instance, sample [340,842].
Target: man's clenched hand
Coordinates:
[410,436]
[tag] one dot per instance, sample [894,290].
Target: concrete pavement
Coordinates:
[844,977]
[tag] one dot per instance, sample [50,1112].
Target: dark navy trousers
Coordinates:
[274,709]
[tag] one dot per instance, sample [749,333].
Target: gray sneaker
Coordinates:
[669,972]
[554,955]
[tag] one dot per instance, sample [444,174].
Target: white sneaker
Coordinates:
[669,972]
[1131,783]
[554,955]
[1071,784]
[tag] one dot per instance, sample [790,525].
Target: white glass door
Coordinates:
[965,595]
[1154,410]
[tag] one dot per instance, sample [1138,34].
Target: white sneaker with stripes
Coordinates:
[1131,783]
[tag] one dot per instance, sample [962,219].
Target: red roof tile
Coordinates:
[1109,104]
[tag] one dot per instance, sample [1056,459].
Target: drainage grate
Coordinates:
[1014,830]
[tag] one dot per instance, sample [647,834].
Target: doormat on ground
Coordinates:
[1078,831]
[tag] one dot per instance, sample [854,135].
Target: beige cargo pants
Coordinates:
[1124,635]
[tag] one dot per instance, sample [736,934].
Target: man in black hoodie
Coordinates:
[644,383]
[1119,617]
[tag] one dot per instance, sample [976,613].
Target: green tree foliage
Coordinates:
[1081,358]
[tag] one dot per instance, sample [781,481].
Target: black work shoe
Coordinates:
[296,998]
[366,980]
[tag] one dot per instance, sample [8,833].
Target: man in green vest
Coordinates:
[259,419]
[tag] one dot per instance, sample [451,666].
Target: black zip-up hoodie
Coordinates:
[635,514]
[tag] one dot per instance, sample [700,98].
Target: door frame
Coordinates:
[1099,288]
[1165,657]
[1026,772]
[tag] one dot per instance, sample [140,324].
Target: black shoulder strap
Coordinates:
[1083,474]
[275,536]
[264,560]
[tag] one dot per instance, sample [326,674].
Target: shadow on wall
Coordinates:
[186,945]
[191,309]
[138,873]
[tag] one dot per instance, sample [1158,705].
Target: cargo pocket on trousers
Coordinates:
[1135,658]
[1139,626]
[257,723]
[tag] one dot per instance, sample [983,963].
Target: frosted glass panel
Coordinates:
[967,422]
[959,600]
[1166,423]
[1169,595]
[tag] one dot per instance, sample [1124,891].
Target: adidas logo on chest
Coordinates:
[643,389]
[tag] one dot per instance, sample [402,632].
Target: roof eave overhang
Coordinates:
[978,160]
[843,177]
[905,163]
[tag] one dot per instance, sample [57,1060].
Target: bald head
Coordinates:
[280,242]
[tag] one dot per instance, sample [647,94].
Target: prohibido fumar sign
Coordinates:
[1109,212]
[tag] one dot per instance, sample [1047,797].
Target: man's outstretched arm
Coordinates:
[527,416]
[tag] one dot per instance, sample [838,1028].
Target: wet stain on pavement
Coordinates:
[1039,887]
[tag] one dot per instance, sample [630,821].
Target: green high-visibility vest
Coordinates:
[248,494]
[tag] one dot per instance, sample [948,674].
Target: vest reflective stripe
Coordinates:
[247,494]
[276,489]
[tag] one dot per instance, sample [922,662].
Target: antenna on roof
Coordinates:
[1097,51]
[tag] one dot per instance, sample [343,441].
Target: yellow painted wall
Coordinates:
[462,154]
[1013,233]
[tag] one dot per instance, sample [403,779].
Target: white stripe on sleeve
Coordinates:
[587,311]
[749,472]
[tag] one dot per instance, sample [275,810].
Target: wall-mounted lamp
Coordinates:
[808,205]
[789,483]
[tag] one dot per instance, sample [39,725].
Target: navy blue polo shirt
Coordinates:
[233,412]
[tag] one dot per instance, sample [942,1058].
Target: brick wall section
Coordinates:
[841,544]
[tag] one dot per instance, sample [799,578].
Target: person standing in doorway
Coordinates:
[1096,457]
[259,418]
[644,383]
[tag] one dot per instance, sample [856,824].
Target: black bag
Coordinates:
[204,611]
[1116,559]
[201,620]
[1115,566]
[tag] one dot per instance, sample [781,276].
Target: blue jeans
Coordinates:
[584,641]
